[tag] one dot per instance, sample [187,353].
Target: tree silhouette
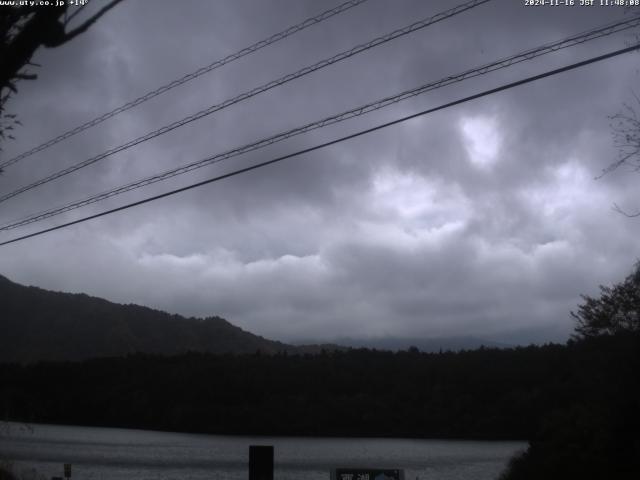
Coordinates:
[617,310]
[24,29]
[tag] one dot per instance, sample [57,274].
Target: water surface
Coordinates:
[121,454]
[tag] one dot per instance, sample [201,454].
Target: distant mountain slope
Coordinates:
[432,345]
[37,324]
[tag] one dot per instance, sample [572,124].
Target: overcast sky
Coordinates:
[483,219]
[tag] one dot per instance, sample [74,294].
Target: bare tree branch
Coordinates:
[77,11]
[26,76]
[617,208]
[24,29]
[90,21]
[625,129]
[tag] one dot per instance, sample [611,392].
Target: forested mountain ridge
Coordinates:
[39,324]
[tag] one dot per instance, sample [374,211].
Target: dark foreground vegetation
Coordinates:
[596,434]
[6,473]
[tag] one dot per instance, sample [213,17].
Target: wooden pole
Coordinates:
[260,462]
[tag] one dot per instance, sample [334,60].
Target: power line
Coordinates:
[338,140]
[186,78]
[354,112]
[251,93]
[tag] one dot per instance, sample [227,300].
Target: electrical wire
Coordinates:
[251,93]
[333,142]
[186,78]
[354,112]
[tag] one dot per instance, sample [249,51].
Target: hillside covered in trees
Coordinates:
[39,324]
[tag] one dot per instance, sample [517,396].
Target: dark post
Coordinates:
[260,462]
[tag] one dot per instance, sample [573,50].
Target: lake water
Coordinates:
[119,454]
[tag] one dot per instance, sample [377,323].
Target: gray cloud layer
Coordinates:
[482,219]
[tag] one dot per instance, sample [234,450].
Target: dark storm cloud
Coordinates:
[482,219]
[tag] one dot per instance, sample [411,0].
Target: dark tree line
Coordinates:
[360,392]
[486,393]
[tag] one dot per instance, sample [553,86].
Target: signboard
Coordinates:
[367,474]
